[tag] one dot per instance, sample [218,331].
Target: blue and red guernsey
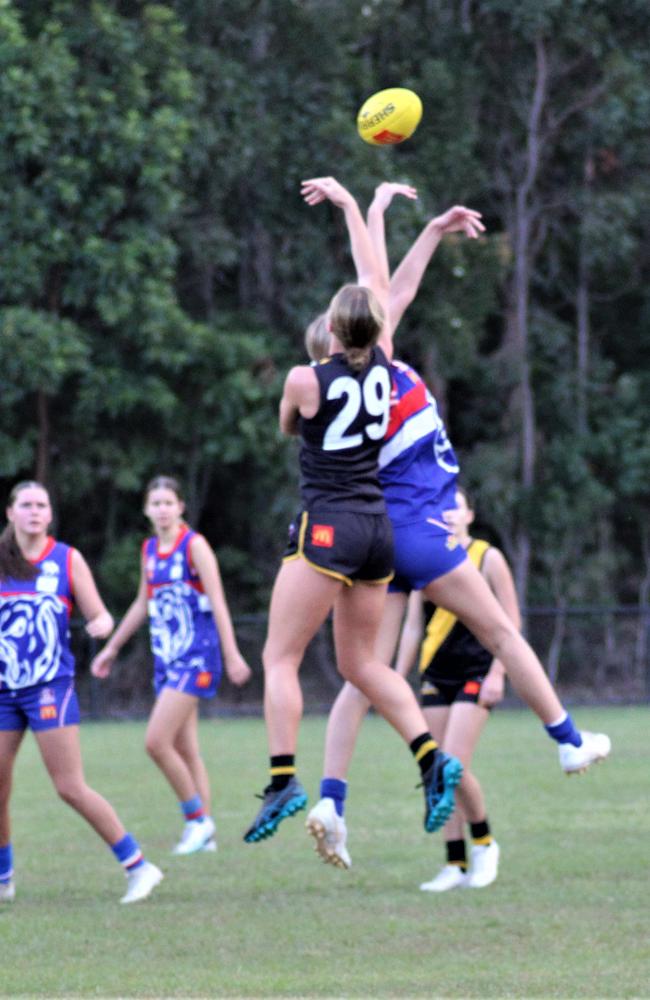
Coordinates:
[417,465]
[35,619]
[182,628]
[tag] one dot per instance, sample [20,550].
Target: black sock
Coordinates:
[481,832]
[282,769]
[457,854]
[423,749]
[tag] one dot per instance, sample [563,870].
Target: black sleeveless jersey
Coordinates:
[340,444]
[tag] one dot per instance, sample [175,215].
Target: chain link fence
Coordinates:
[592,654]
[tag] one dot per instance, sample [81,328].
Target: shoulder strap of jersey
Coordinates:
[440,625]
[476,551]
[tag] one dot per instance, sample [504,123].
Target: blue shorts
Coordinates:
[423,552]
[199,683]
[40,706]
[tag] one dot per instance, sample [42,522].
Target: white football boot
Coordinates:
[449,877]
[594,747]
[7,891]
[141,882]
[484,865]
[196,834]
[330,833]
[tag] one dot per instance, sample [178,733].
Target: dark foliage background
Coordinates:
[157,266]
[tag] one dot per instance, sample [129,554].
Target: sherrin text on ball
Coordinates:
[389,116]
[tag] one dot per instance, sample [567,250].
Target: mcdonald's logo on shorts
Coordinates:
[203,679]
[322,535]
[48,712]
[472,687]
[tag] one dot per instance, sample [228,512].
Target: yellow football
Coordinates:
[389,116]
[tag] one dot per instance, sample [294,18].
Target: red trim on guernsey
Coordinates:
[189,554]
[195,584]
[182,532]
[69,569]
[411,402]
[47,548]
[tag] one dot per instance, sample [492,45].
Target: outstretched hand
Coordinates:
[460,220]
[386,191]
[319,189]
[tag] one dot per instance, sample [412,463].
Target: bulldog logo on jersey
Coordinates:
[172,627]
[30,642]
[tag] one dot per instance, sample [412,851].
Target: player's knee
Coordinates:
[351,669]
[279,665]
[70,790]
[155,746]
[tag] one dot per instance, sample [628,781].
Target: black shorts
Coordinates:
[345,545]
[436,693]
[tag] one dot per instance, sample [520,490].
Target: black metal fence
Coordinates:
[592,654]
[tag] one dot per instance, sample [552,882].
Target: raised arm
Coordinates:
[369,271]
[384,194]
[408,275]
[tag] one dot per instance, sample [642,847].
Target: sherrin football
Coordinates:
[389,116]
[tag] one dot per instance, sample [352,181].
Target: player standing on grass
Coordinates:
[341,551]
[182,594]
[418,475]
[40,580]
[460,682]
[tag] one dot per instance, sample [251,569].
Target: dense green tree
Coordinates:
[157,265]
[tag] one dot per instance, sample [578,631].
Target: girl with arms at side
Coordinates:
[40,580]
[182,595]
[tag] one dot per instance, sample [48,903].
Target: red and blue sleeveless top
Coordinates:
[35,619]
[417,465]
[181,625]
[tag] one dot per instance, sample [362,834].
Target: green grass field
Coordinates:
[568,916]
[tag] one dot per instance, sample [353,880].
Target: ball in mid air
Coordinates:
[389,116]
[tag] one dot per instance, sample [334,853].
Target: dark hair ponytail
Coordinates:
[12,562]
[356,320]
